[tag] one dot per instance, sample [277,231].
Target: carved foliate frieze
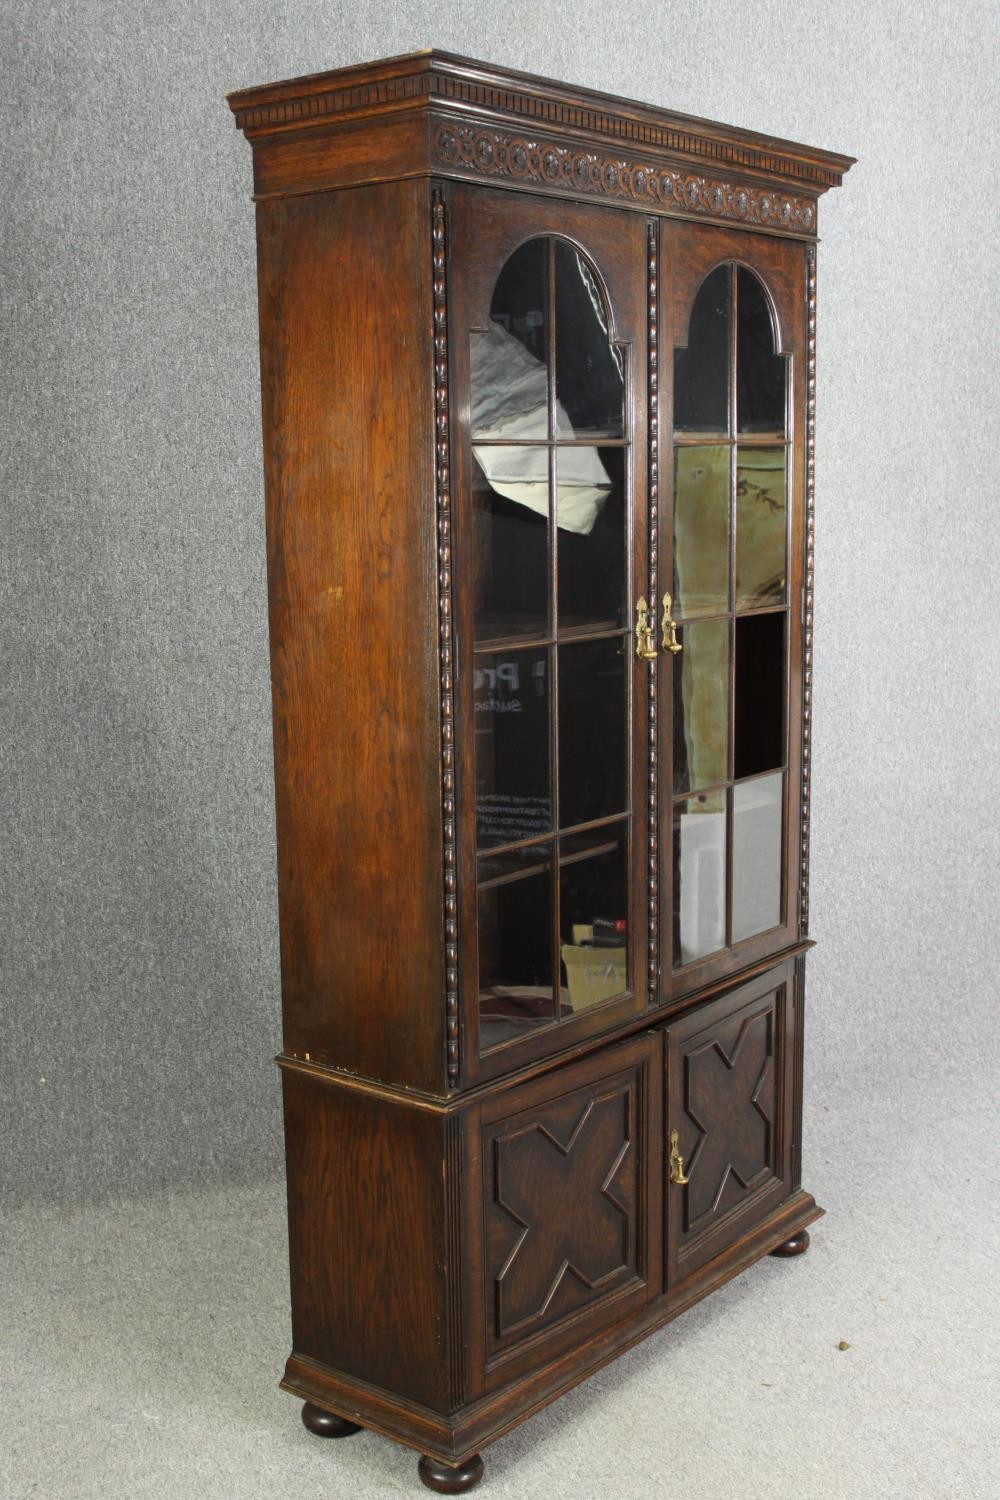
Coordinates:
[445,85]
[490,153]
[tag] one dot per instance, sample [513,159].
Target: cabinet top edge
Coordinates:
[417,80]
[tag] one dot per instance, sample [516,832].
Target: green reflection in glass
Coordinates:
[701,705]
[760,526]
[701,531]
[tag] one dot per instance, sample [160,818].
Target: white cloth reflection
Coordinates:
[510,403]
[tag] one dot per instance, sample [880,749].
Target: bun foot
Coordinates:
[797,1245]
[449,1481]
[325,1423]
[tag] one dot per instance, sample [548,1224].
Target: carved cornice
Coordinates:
[446,653]
[807,603]
[445,83]
[304,108]
[489,153]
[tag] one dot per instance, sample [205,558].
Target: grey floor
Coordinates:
[141,1345]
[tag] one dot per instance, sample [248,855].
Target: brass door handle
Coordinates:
[676,1163]
[644,648]
[669,629]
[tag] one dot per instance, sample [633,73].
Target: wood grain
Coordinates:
[346,362]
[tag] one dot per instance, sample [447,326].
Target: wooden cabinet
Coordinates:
[537,378]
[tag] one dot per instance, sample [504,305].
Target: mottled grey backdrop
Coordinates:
[138,941]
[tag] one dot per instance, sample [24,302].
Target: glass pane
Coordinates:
[759,694]
[701,371]
[760,373]
[756,856]
[760,526]
[509,379]
[590,371]
[701,531]
[593,735]
[701,706]
[516,926]
[512,746]
[593,902]
[699,876]
[510,497]
[590,516]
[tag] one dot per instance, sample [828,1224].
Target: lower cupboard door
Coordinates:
[727,1120]
[565,1179]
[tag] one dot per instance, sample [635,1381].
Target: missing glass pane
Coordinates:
[759,694]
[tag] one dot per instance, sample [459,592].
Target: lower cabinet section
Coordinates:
[610,1182]
[455,1268]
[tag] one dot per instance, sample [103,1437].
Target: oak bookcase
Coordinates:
[537,371]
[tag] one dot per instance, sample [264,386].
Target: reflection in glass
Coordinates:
[515,944]
[509,382]
[593,734]
[511,552]
[593,903]
[701,531]
[583,485]
[760,373]
[551,541]
[590,383]
[699,876]
[513,800]
[701,706]
[701,370]
[756,856]
[760,526]
[759,694]
[592,561]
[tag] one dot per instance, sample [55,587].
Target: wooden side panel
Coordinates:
[347,380]
[729,1098]
[564,1182]
[367,1233]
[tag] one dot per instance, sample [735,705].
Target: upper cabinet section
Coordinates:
[431,113]
[535,403]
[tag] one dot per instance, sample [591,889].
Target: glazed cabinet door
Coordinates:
[734,410]
[547,315]
[564,1179]
[728,1119]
